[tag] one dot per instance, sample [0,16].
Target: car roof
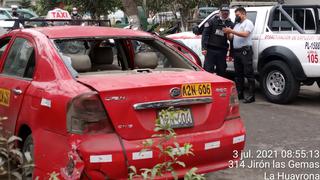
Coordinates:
[68,32]
[209,7]
[9,11]
[6,11]
[255,8]
[23,10]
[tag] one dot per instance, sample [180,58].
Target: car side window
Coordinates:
[20,61]
[3,45]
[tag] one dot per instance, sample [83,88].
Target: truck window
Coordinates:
[280,23]
[309,20]
[252,16]
[304,17]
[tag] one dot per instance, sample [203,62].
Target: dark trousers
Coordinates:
[244,69]
[215,61]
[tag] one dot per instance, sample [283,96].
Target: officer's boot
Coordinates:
[251,94]
[239,84]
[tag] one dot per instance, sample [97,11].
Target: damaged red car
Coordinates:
[84,98]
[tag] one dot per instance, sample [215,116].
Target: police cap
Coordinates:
[224,7]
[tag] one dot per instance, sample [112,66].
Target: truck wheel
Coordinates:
[28,151]
[278,83]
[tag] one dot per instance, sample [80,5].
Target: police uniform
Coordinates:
[215,42]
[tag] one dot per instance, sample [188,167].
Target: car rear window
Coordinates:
[98,56]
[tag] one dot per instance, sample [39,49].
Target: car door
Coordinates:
[17,66]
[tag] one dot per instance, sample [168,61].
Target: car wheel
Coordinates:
[278,83]
[28,151]
[318,82]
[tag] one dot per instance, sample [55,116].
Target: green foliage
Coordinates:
[43,6]
[167,5]
[104,7]
[25,4]
[95,8]
[188,9]
[192,175]
[54,176]
[12,161]
[170,154]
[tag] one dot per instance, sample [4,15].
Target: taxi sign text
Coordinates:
[58,15]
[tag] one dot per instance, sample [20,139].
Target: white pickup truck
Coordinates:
[286,44]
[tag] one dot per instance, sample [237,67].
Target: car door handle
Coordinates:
[17,91]
[3,118]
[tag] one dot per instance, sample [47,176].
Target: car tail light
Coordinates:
[86,114]
[233,111]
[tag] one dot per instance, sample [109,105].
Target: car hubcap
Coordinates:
[275,82]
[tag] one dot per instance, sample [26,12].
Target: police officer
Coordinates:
[242,44]
[75,16]
[15,15]
[214,42]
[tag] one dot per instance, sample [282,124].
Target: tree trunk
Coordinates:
[130,8]
[184,19]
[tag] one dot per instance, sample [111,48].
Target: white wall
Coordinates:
[313,2]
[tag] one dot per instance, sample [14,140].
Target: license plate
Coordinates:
[196,90]
[176,117]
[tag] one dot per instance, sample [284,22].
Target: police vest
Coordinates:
[217,37]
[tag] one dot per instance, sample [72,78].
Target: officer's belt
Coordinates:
[212,47]
[243,48]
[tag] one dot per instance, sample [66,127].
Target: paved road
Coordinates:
[279,130]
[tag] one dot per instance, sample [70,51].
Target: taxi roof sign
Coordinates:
[58,13]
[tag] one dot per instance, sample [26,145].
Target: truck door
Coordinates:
[258,19]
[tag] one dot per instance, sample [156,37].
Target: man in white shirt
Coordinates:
[242,53]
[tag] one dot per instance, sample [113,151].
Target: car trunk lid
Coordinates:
[133,102]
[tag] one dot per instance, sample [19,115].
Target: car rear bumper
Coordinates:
[109,156]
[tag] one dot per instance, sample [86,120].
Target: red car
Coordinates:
[83,99]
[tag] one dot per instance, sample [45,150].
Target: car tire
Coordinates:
[318,82]
[28,147]
[278,83]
